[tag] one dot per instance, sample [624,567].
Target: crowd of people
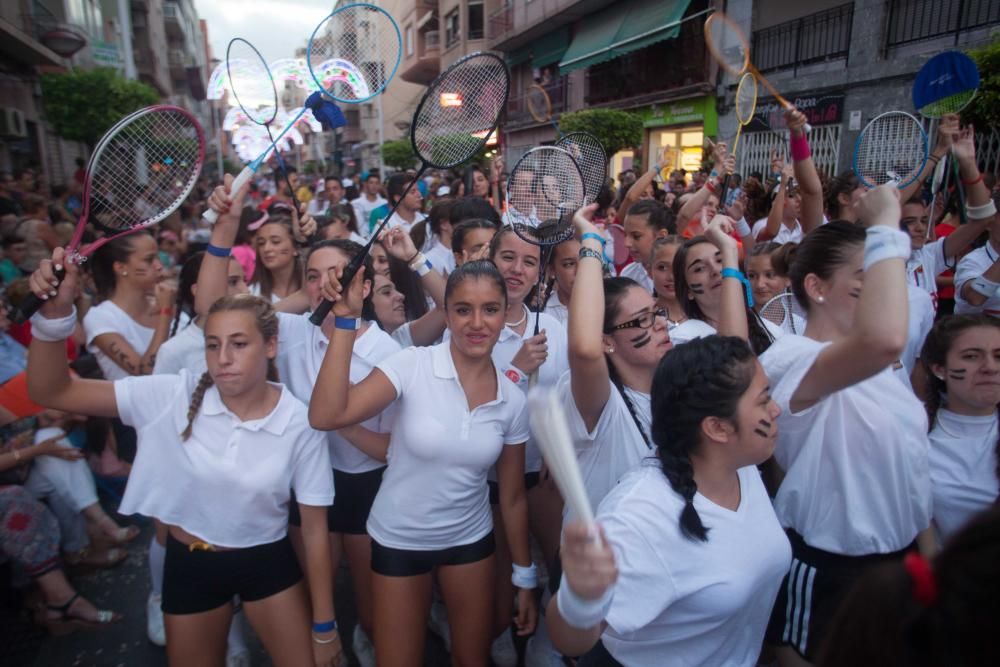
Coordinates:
[818,487]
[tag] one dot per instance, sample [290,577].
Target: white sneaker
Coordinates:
[438,623]
[241,659]
[503,651]
[154,621]
[363,649]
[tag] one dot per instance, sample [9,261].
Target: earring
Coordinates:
[939,377]
[820,299]
[124,274]
[611,350]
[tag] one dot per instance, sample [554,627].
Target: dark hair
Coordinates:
[481,269]
[467,177]
[844,184]
[345,212]
[758,201]
[880,622]
[759,249]
[408,284]
[468,208]
[935,352]
[821,252]
[461,229]
[185,295]
[248,216]
[261,274]
[504,231]
[658,216]
[440,212]
[396,186]
[351,249]
[703,378]
[781,258]
[13,238]
[284,172]
[760,338]
[102,262]
[615,290]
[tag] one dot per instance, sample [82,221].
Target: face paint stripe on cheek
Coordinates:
[765,431]
[696,288]
[640,341]
[957,373]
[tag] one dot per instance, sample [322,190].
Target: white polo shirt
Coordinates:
[440,256]
[556,309]
[434,494]
[857,480]
[227,484]
[637,272]
[925,265]
[920,322]
[785,233]
[186,350]
[301,348]
[106,318]
[963,464]
[688,330]
[683,602]
[972,266]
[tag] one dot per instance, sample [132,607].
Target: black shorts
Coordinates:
[391,562]
[598,657]
[197,581]
[531,480]
[811,592]
[352,502]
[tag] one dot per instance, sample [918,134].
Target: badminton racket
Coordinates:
[729,46]
[891,148]
[141,170]
[746,105]
[352,55]
[544,190]
[785,311]
[540,106]
[590,156]
[453,121]
[551,430]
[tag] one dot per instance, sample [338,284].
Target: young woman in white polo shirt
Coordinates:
[232,444]
[853,439]
[691,554]
[456,415]
[277,272]
[962,359]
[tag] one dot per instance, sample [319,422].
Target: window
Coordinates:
[451,28]
[409,40]
[476,19]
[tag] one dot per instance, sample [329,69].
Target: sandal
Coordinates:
[66,621]
[98,560]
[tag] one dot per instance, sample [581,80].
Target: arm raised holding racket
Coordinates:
[810,187]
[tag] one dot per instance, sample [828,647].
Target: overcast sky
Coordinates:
[275,27]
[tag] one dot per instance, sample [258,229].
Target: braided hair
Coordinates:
[267,324]
[935,352]
[703,378]
[185,295]
[615,290]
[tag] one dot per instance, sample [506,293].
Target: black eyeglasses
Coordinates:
[644,321]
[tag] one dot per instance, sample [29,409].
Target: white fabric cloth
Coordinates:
[319,205]
[434,494]
[228,484]
[403,336]
[784,235]
[856,480]
[397,221]
[963,462]
[363,210]
[186,350]
[109,318]
[555,308]
[254,288]
[925,265]
[441,257]
[301,348]
[972,266]
[70,480]
[921,320]
[688,330]
[680,601]
[638,273]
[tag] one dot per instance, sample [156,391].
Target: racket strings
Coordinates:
[785,311]
[727,43]
[539,105]
[589,155]
[251,82]
[893,147]
[460,110]
[352,51]
[947,105]
[544,190]
[746,98]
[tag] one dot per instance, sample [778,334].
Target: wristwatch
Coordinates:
[590,252]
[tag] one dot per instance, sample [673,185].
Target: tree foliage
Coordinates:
[83,105]
[399,153]
[984,111]
[616,130]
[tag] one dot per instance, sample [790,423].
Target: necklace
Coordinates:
[520,321]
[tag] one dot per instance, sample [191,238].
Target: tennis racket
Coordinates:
[785,311]
[453,121]
[891,148]
[729,46]
[590,156]
[947,83]
[141,170]
[746,105]
[353,54]
[540,106]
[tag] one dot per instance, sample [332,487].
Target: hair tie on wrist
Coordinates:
[925,588]
[977,179]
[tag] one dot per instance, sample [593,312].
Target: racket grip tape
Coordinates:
[210,216]
[346,277]
[31,303]
[723,191]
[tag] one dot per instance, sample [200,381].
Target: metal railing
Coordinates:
[501,22]
[518,114]
[825,35]
[916,20]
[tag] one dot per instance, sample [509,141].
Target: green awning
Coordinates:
[518,56]
[622,28]
[550,48]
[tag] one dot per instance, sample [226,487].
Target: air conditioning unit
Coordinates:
[12,123]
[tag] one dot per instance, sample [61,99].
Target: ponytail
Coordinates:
[196,398]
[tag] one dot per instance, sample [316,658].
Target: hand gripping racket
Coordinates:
[453,121]
[589,155]
[353,54]
[141,170]
[891,148]
[746,105]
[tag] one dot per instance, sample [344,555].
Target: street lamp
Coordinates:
[63,39]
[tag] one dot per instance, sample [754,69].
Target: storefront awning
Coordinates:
[518,56]
[550,48]
[622,28]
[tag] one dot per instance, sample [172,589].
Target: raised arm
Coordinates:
[122,353]
[692,207]
[777,213]
[733,314]
[810,187]
[947,130]
[429,327]
[214,271]
[977,195]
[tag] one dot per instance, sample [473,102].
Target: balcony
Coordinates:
[501,22]
[918,20]
[177,60]
[815,38]
[518,113]
[173,21]
[425,64]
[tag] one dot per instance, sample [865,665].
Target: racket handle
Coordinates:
[723,191]
[210,216]
[31,303]
[346,277]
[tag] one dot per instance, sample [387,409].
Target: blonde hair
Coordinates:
[267,324]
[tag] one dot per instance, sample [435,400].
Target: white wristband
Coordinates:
[884,243]
[579,613]
[421,265]
[515,375]
[985,286]
[743,227]
[987,210]
[524,577]
[53,331]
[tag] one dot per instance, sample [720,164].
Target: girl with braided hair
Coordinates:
[233,445]
[690,553]
[962,358]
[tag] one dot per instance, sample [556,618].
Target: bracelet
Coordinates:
[882,243]
[347,323]
[216,251]
[167,311]
[710,186]
[738,275]
[579,613]
[799,148]
[325,627]
[412,259]
[977,179]
[934,158]
[524,577]
[743,227]
[982,212]
[325,641]
[985,286]
[590,252]
[53,331]
[594,235]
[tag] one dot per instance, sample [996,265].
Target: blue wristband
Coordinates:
[347,323]
[597,237]
[216,251]
[738,275]
[325,627]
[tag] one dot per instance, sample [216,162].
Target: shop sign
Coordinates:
[819,110]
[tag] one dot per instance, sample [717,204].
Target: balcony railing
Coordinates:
[500,22]
[432,40]
[517,106]
[915,20]
[821,36]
